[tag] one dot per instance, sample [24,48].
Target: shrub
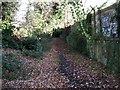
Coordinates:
[34,46]
[13,67]
[45,37]
[32,53]
[8,38]
[9,41]
[65,32]
[77,41]
[56,32]
[45,42]
[30,43]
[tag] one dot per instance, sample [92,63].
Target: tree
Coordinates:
[44,17]
[8,10]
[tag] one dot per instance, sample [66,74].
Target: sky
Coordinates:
[93,3]
[20,15]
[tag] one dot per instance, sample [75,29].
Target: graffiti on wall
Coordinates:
[109,24]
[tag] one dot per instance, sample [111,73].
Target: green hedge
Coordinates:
[77,41]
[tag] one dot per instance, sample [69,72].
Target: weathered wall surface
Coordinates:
[106,48]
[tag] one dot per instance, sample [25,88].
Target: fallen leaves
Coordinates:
[73,71]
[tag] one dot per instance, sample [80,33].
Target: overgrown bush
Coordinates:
[34,46]
[30,43]
[45,41]
[13,67]
[57,32]
[65,32]
[46,37]
[32,53]
[8,40]
[77,41]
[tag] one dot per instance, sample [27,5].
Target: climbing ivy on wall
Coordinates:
[89,23]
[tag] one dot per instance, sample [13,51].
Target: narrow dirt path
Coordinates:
[62,68]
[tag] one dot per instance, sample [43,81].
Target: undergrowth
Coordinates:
[13,67]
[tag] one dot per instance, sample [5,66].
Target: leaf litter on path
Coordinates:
[61,68]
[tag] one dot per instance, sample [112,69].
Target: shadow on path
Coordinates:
[68,70]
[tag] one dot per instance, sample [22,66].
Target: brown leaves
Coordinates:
[78,71]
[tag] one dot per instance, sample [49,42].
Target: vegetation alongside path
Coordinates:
[61,68]
[30,59]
